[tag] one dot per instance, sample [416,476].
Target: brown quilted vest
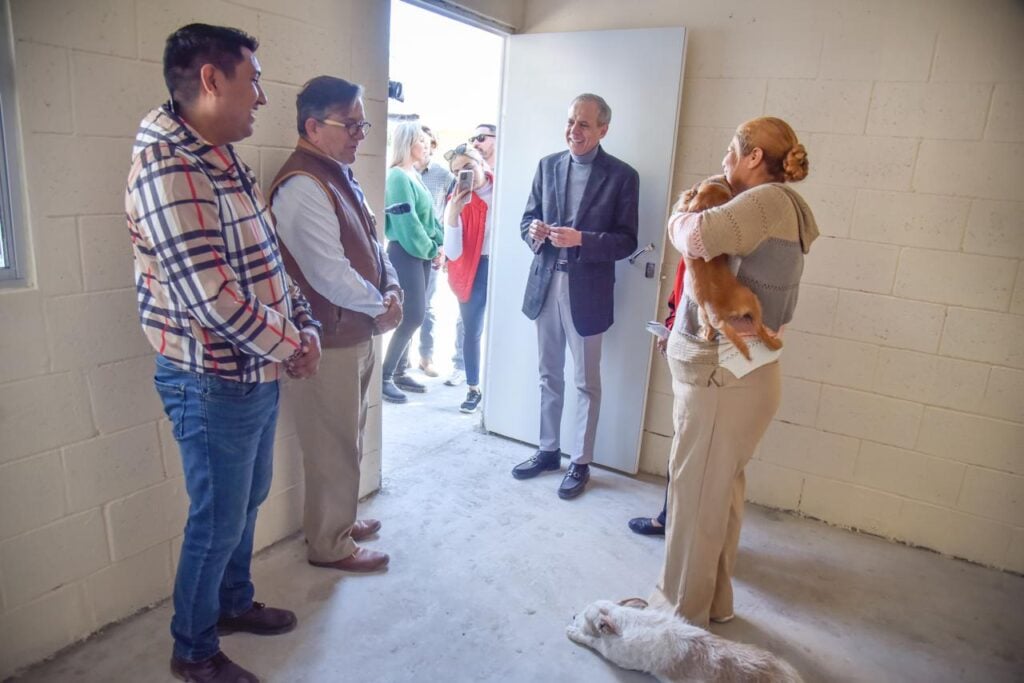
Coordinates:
[341,326]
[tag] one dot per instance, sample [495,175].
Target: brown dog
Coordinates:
[719,295]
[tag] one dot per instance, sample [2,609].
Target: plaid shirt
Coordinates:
[212,290]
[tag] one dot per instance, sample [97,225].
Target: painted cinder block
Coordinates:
[127,586]
[43,413]
[879,163]
[1017,302]
[983,170]
[908,473]
[851,264]
[57,259]
[368,42]
[1004,395]
[763,49]
[889,321]
[655,451]
[992,494]
[293,51]
[877,47]
[700,150]
[98,80]
[983,336]
[90,329]
[77,174]
[910,219]
[108,467]
[869,416]
[280,516]
[23,348]
[1004,115]
[953,533]
[809,450]
[287,463]
[995,228]
[931,379]
[721,102]
[659,414]
[820,106]
[981,47]
[48,110]
[106,253]
[46,558]
[147,517]
[370,473]
[972,439]
[960,279]
[38,629]
[944,111]
[123,394]
[162,19]
[828,359]
[31,494]
[1015,553]
[777,487]
[850,505]
[832,205]
[105,26]
[815,310]
[800,400]
[275,121]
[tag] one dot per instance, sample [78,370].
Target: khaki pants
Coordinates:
[719,421]
[330,414]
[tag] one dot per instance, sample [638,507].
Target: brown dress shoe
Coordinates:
[364,528]
[259,619]
[216,669]
[362,560]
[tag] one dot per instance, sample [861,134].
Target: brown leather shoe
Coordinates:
[259,619]
[216,669]
[364,528]
[362,560]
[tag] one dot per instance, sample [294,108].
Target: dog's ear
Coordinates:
[607,625]
[635,603]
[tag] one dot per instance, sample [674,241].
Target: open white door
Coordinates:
[640,73]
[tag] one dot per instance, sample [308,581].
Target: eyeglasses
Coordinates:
[353,129]
[458,151]
[481,137]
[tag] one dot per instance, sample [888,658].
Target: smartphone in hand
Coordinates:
[465,182]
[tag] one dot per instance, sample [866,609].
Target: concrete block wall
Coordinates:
[903,399]
[92,499]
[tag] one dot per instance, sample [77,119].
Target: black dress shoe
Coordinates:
[645,527]
[391,393]
[574,481]
[407,383]
[216,669]
[259,619]
[541,461]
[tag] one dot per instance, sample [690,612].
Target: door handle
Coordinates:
[640,252]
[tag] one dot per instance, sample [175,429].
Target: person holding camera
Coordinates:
[467,233]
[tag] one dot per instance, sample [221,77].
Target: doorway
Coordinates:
[449,74]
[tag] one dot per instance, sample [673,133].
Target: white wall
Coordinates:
[92,502]
[903,398]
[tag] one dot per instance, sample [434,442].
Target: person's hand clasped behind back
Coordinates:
[307,360]
[390,318]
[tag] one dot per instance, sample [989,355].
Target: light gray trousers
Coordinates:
[555,330]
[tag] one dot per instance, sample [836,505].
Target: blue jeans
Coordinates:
[225,432]
[472,320]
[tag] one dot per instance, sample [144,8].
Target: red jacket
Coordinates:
[677,293]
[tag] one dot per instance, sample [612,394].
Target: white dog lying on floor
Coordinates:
[672,649]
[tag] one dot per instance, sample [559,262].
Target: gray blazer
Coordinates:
[607,217]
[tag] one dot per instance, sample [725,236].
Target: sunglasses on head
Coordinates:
[481,137]
[452,153]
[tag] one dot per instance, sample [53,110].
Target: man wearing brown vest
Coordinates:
[329,242]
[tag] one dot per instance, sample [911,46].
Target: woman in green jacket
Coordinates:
[414,247]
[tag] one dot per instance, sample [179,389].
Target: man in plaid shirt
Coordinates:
[225,319]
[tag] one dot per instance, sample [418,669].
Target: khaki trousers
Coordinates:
[330,413]
[719,421]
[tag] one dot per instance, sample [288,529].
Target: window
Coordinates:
[11,216]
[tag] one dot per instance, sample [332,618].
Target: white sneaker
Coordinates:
[458,377]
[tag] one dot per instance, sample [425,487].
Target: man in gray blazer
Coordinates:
[580,219]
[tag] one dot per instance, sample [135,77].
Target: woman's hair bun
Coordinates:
[795,166]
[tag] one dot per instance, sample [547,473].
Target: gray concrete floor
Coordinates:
[486,571]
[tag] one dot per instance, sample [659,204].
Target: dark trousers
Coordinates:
[473,323]
[413,275]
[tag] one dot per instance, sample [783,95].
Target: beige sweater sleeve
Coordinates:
[741,225]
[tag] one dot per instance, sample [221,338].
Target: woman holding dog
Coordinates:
[722,405]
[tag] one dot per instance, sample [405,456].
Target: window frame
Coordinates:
[12,214]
